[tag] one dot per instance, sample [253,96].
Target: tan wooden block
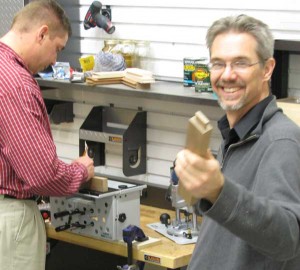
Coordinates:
[97,183]
[197,140]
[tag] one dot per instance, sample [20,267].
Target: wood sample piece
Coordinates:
[97,183]
[197,140]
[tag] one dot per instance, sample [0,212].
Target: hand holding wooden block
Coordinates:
[197,140]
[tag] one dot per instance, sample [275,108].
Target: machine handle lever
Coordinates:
[73,225]
[67,213]
[62,227]
[78,225]
[61,214]
[77,211]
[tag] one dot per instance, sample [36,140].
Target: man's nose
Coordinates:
[228,72]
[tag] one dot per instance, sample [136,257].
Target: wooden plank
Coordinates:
[197,140]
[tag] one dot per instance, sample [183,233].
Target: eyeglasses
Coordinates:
[238,66]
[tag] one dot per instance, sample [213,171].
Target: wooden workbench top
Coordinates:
[165,252]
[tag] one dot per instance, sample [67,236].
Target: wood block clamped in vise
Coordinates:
[97,183]
[197,140]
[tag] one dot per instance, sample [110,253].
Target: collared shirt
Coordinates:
[244,126]
[28,161]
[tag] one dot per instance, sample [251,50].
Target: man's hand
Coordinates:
[88,163]
[201,176]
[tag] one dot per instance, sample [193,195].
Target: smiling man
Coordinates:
[239,75]
[250,195]
[29,164]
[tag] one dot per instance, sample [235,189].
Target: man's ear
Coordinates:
[42,32]
[269,68]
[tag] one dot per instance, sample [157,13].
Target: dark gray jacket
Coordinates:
[254,224]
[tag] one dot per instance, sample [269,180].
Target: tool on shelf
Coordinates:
[96,16]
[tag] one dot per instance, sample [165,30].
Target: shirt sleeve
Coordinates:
[27,145]
[268,216]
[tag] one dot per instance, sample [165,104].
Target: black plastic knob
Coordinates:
[165,219]
[122,217]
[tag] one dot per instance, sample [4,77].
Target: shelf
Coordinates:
[168,91]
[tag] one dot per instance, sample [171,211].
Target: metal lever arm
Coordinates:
[62,228]
[67,213]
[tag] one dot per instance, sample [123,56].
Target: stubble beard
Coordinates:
[234,107]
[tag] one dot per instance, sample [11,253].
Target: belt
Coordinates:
[6,196]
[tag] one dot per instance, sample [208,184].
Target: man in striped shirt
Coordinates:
[28,161]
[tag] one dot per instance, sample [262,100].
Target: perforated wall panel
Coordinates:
[8,9]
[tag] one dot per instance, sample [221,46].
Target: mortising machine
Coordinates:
[105,213]
[98,214]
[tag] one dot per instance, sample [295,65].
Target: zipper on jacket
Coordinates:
[252,137]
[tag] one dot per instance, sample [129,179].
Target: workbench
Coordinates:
[165,252]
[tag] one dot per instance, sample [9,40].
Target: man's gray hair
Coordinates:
[244,24]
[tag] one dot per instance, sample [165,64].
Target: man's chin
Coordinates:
[230,107]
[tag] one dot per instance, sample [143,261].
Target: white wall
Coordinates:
[176,29]
[166,126]
[7,10]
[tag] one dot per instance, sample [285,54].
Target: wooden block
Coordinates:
[139,79]
[93,81]
[138,72]
[135,84]
[198,134]
[108,74]
[197,140]
[97,183]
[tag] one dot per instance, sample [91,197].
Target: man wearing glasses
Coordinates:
[250,195]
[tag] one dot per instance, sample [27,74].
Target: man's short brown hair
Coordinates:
[39,12]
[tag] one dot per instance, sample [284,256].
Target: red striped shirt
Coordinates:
[28,161]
